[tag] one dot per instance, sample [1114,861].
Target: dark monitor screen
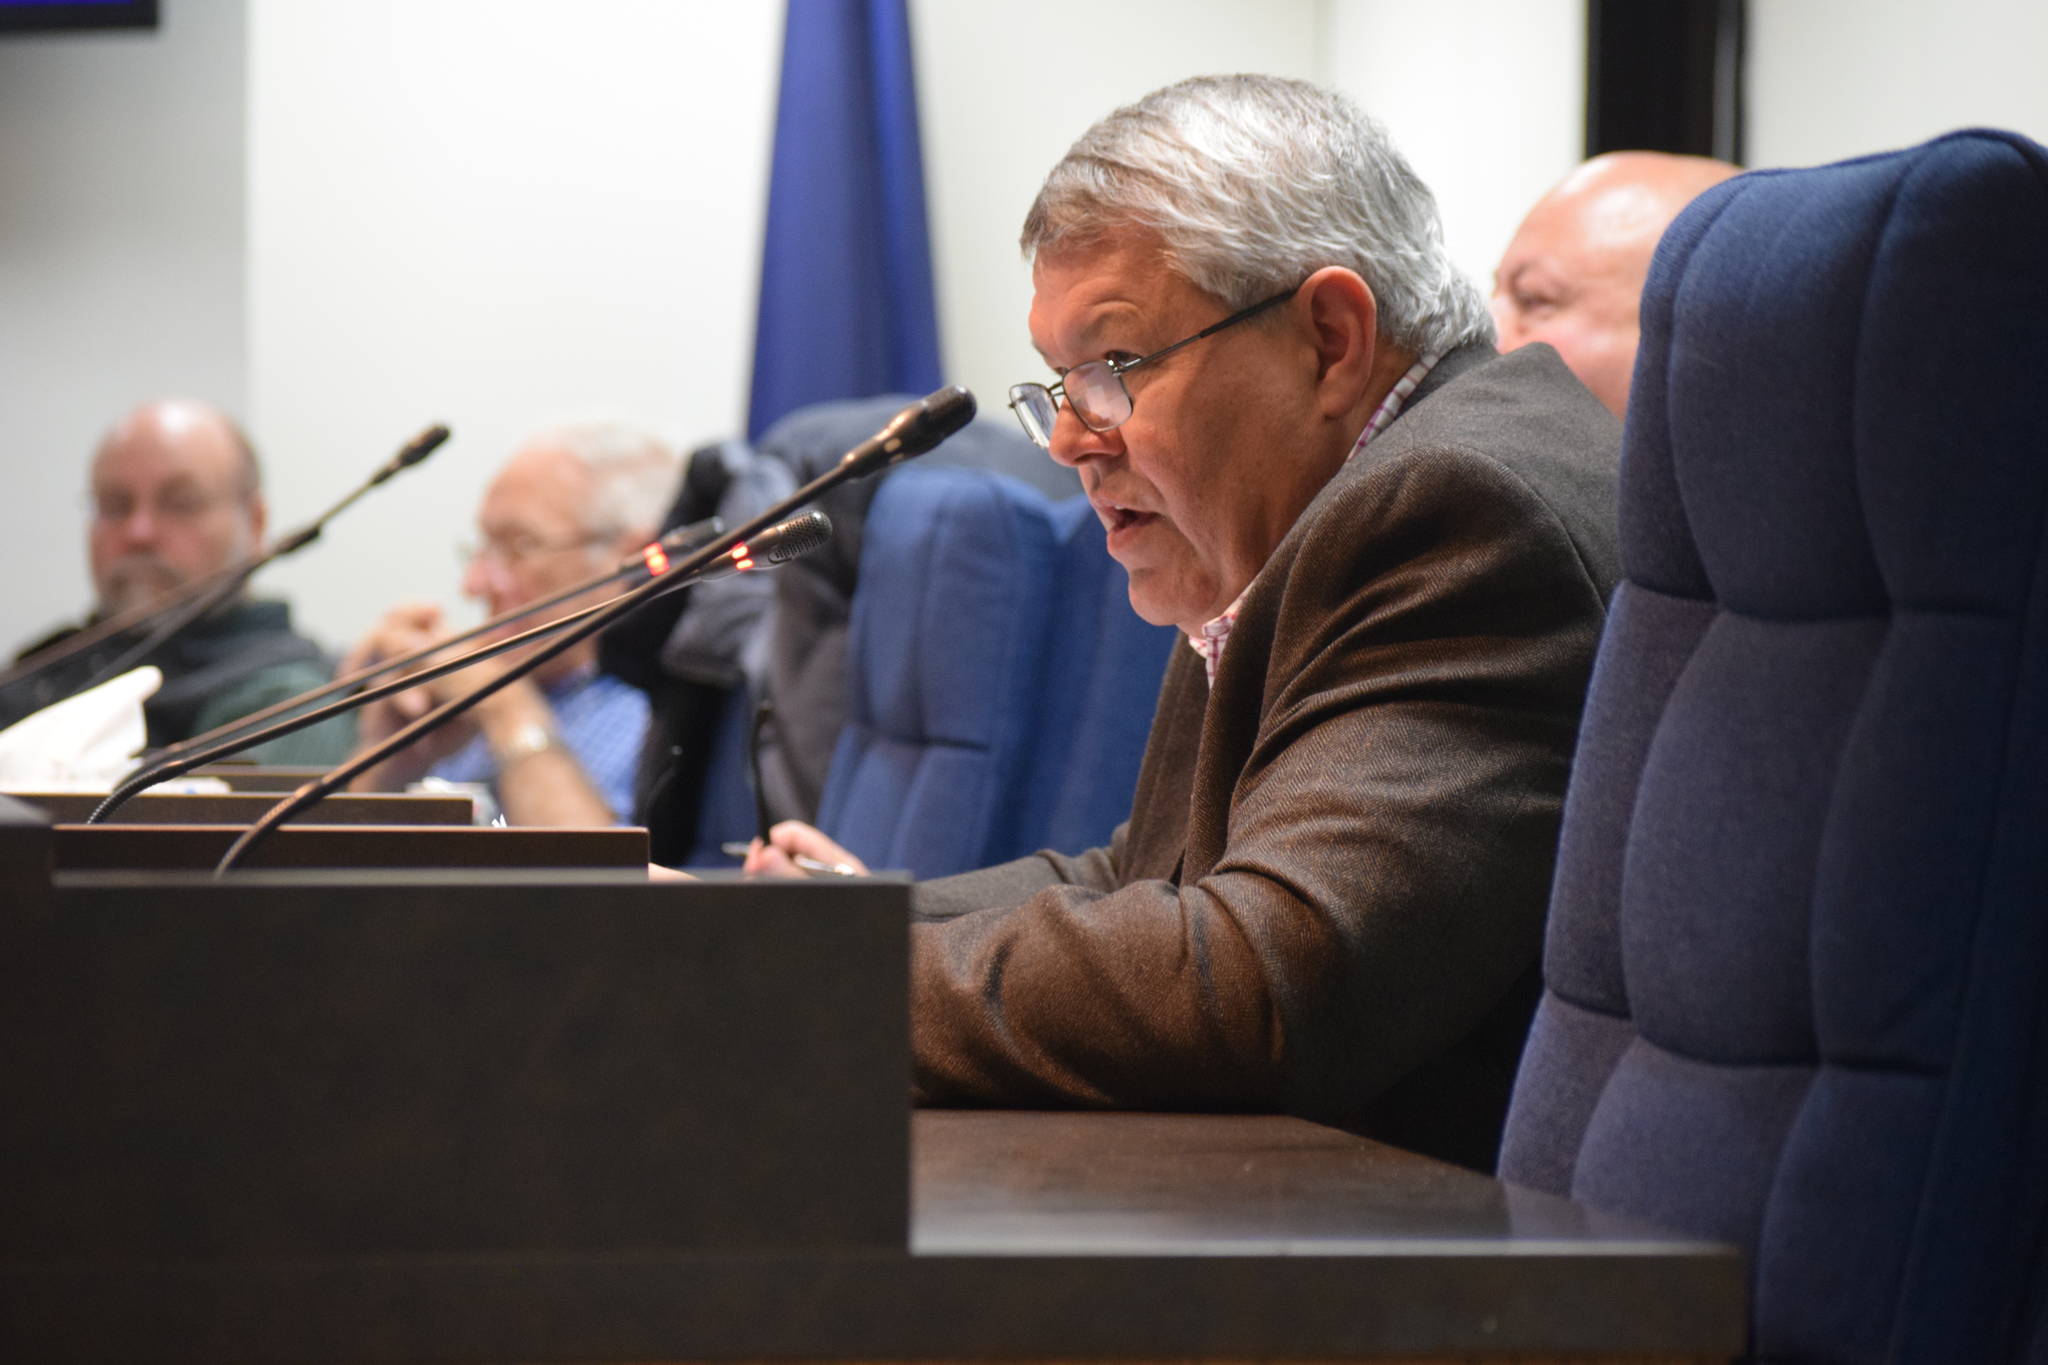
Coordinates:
[46,16]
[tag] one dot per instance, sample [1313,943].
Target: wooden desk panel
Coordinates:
[245,808]
[1032,1237]
[199,847]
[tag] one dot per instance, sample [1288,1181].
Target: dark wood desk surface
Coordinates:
[1001,1183]
[1033,1237]
[1159,1235]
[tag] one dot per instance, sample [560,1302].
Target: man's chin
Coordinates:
[1158,608]
[123,596]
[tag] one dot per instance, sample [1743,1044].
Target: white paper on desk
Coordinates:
[84,743]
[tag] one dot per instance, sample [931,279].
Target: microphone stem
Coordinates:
[181,764]
[213,741]
[202,595]
[191,611]
[99,632]
[587,624]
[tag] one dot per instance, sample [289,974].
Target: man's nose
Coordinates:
[480,576]
[1073,442]
[139,524]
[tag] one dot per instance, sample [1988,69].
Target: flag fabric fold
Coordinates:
[846,306]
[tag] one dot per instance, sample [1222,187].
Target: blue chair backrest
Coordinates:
[1000,686]
[1797,965]
[1102,665]
[954,590]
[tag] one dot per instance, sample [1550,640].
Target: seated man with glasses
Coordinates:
[176,497]
[558,747]
[1390,549]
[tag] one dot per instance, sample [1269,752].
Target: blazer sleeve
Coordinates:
[1007,883]
[1375,812]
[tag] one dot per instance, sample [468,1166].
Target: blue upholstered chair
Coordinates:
[955,586]
[1000,687]
[806,667]
[1797,968]
[1099,684]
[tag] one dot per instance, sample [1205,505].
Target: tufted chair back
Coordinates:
[1797,965]
[1000,687]
[941,666]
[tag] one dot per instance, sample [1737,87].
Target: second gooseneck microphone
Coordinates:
[912,431]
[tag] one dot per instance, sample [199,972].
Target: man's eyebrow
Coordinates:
[1112,311]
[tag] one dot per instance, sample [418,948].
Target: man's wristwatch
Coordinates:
[529,739]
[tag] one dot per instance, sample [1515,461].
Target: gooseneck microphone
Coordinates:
[777,545]
[242,732]
[912,431]
[201,596]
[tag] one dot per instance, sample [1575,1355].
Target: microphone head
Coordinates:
[913,431]
[934,417]
[787,540]
[421,446]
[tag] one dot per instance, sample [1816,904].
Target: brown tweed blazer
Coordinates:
[1329,897]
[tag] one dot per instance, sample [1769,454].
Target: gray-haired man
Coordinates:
[1390,549]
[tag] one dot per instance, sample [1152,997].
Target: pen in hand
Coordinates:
[733,848]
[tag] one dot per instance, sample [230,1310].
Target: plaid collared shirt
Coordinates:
[1209,640]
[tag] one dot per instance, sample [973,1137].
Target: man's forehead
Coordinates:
[541,484]
[1565,240]
[161,458]
[1082,290]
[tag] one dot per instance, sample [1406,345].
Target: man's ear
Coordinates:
[259,521]
[1344,318]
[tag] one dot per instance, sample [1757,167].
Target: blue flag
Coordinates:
[846,270]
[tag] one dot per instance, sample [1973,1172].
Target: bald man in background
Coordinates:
[1573,275]
[176,496]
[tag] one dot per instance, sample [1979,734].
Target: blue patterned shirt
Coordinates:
[601,721]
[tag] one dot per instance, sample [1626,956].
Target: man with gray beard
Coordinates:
[176,496]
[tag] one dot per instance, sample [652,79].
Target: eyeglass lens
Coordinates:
[1095,389]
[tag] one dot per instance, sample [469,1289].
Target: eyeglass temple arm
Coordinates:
[1125,367]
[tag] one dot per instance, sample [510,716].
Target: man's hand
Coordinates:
[405,628]
[791,840]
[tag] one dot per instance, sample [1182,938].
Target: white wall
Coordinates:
[346,220]
[1004,89]
[121,267]
[1835,78]
[500,217]
[1485,97]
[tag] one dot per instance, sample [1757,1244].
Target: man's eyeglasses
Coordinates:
[182,506]
[517,548]
[1096,390]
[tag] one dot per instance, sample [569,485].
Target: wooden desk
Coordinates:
[199,847]
[247,807]
[1134,1237]
[496,1117]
